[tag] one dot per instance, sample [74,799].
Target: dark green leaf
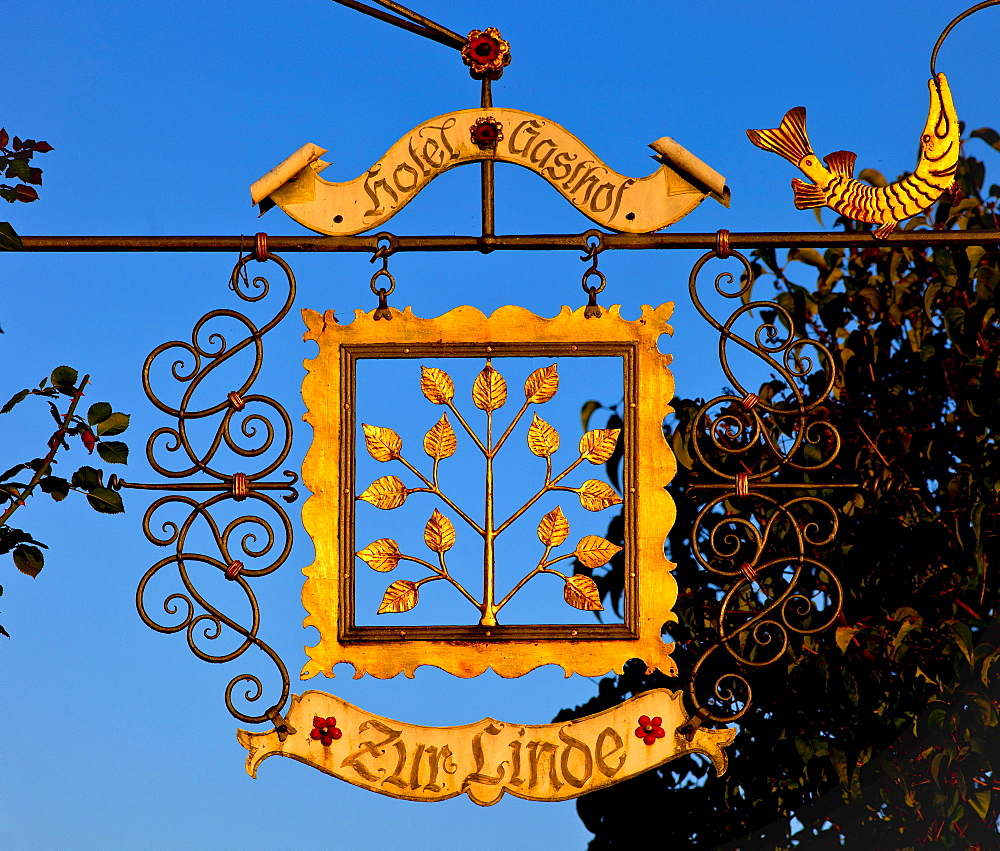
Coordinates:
[112,425]
[13,471]
[18,397]
[587,412]
[113,452]
[98,413]
[9,240]
[105,501]
[29,559]
[64,376]
[54,486]
[988,135]
[87,478]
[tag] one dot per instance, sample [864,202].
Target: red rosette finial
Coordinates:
[486,54]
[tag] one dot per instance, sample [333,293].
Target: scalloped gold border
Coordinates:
[383,652]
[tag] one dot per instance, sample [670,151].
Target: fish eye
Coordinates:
[927,137]
[809,162]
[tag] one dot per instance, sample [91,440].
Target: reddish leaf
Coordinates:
[26,193]
[43,147]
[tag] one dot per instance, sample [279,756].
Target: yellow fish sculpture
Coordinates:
[834,185]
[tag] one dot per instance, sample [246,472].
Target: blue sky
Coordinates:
[161,115]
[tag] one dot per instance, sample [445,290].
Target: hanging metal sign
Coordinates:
[610,199]
[550,762]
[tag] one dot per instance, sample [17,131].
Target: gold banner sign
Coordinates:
[546,762]
[612,200]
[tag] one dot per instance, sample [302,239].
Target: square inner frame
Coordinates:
[349,631]
[509,650]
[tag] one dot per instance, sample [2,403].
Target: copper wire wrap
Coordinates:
[748,571]
[234,569]
[260,248]
[750,401]
[241,487]
[236,400]
[722,244]
[742,485]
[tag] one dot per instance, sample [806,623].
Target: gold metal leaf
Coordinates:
[387,493]
[439,533]
[440,441]
[594,551]
[401,596]
[542,384]
[553,528]
[543,439]
[581,593]
[382,555]
[436,385]
[383,443]
[489,391]
[598,445]
[596,496]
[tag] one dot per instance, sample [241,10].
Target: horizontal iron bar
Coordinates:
[486,244]
[204,486]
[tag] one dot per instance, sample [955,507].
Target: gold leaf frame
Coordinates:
[329,392]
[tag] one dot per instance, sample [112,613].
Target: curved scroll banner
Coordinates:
[614,201]
[547,762]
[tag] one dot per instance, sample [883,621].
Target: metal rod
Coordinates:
[487,174]
[420,19]
[509,242]
[402,23]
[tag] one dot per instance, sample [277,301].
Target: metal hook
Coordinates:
[383,252]
[593,310]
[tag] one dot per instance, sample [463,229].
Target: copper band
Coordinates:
[748,571]
[235,569]
[260,248]
[722,243]
[240,486]
[750,401]
[236,400]
[742,484]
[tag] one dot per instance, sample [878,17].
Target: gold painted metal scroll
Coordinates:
[610,199]
[455,440]
[550,762]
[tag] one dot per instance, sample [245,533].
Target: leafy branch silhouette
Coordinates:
[489,394]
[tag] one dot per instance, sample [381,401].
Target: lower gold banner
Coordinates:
[545,762]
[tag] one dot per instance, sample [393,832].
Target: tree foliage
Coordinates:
[885,731]
[20,482]
[15,164]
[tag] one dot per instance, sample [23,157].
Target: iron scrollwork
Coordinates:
[764,516]
[250,426]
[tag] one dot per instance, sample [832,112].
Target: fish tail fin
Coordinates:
[788,140]
[807,195]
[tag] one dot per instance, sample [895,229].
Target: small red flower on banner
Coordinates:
[325,730]
[650,729]
[486,132]
[486,54]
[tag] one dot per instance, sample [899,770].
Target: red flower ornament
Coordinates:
[486,54]
[486,132]
[650,729]
[325,730]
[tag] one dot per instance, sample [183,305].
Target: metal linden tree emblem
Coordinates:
[489,393]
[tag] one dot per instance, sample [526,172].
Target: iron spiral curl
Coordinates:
[253,427]
[758,530]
